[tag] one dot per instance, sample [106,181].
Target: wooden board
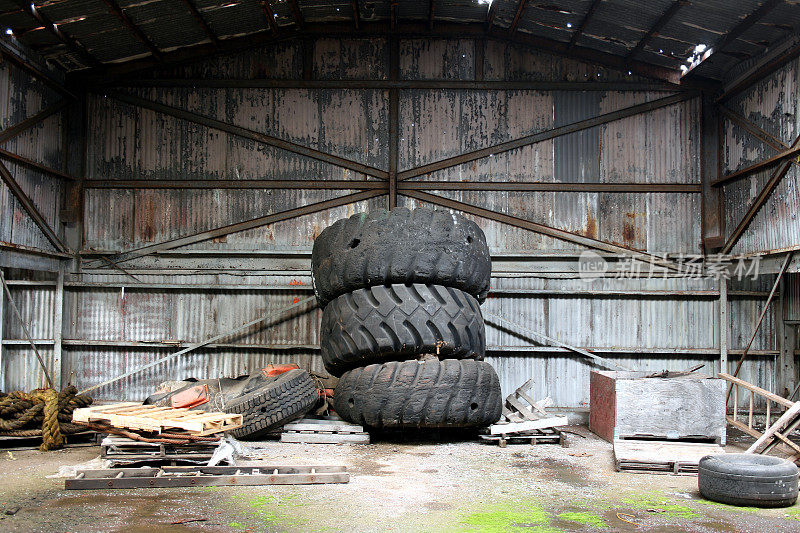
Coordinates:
[131,415]
[310,424]
[661,456]
[324,438]
[528,425]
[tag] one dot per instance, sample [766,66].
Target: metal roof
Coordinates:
[661,33]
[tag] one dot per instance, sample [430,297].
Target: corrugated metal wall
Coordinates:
[263,269]
[22,96]
[773,105]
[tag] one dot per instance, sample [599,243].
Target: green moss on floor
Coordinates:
[663,506]
[584,518]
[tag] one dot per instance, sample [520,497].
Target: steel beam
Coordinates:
[58,326]
[394,121]
[541,229]
[236,184]
[582,26]
[769,63]
[248,134]
[712,230]
[70,42]
[724,324]
[246,225]
[30,163]
[356,14]
[757,132]
[542,186]
[201,21]
[431,13]
[545,135]
[481,85]
[759,202]
[123,17]
[31,209]
[269,16]
[786,154]
[17,129]
[517,16]
[12,50]
[659,24]
[737,31]
[191,347]
[297,14]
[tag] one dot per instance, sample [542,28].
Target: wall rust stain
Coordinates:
[591,226]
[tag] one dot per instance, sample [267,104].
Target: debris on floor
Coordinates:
[526,420]
[324,431]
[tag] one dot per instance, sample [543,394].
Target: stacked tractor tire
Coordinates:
[401,322]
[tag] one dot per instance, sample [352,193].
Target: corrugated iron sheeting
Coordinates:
[771,104]
[21,97]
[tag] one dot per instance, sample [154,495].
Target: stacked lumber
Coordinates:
[154,419]
[314,431]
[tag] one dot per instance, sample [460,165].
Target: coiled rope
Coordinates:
[42,412]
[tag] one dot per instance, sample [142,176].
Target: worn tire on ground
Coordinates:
[400,246]
[747,479]
[287,397]
[420,394]
[400,322]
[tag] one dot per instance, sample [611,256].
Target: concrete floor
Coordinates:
[462,486]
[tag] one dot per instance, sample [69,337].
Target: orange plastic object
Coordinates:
[274,370]
[197,395]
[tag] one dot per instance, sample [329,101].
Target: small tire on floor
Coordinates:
[400,322]
[287,397]
[748,480]
[400,246]
[420,394]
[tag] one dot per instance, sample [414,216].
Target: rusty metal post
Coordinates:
[710,139]
[394,119]
[724,324]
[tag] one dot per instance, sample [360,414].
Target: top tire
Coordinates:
[400,246]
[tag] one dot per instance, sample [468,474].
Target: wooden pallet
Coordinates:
[313,431]
[122,450]
[661,457]
[132,415]
[544,436]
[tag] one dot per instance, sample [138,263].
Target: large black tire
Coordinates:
[279,401]
[400,246]
[399,322]
[746,479]
[420,394]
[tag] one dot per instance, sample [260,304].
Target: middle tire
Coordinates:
[420,394]
[399,322]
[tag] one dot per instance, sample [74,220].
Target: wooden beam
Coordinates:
[541,229]
[71,43]
[517,16]
[582,26]
[544,135]
[28,205]
[133,28]
[16,129]
[242,226]
[201,22]
[248,134]
[659,24]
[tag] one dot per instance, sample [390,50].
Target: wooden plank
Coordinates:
[777,426]
[521,408]
[325,438]
[342,427]
[758,390]
[516,427]
[661,456]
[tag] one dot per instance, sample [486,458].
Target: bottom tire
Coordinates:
[746,479]
[279,401]
[420,394]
